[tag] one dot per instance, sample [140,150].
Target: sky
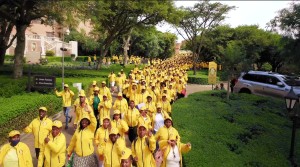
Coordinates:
[246,13]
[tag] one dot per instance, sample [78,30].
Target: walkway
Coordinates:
[29,140]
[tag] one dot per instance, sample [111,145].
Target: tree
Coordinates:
[116,18]
[193,23]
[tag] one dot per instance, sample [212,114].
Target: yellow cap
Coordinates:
[82,94]
[96,88]
[105,118]
[120,94]
[143,125]
[66,85]
[149,96]
[158,105]
[104,95]
[114,131]
[126,153]
[164,95]
[13,133]
[85,117]
[43,108]
[103,82]
[134,84]
[57,123]
[168,118]
[94,82]
[143,108]
[117,112]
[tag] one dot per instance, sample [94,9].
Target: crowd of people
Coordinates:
[141,113]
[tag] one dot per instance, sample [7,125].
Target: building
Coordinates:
[41,38]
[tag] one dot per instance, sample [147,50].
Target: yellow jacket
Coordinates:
[166,106]
[91,99]
[143,150]
[145,121]
[105,90]
[40,130]
[66,96]
[83,141]
[136,98]
[104,109]
[101,136]
[111,153]
[112,77]
[131,117]
[23,152]
[121,125]
[163,145]
[144,97]
[165,133]
[80,113]
[121,105]
[151,107]
[53,154]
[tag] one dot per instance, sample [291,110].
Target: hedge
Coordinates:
[17,112]
[9,87]
[197,80]
[59,59]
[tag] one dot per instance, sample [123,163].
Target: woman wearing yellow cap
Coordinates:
[82,109]
[53,152]
[40,127]
[119,123]
[104,107]
[82,143]
[121,104]
[167,131]
[15,153]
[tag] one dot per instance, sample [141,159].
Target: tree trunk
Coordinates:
[104,53]
[126,48]
[2,55]
[19,51]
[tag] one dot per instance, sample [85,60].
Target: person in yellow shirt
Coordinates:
[121,104]
[89,60]
[53,152]
[150,105]
[144,118]
[173,149]
[144,94]
[119,82]
[134,95]
[143,147]
[119,123]
[167,131]
[91,89]
[82,109]
[67,96]
[166,106]
[105,90]
[112,81]
[82,143]
[172,93]
[112,151]
[131,117]
[104,107]
[95,59]
[102,133]
[15,153]
[40,127]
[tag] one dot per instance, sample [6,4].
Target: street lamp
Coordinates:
[63,49]
[291,99]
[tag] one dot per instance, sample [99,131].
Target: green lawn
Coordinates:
[248,130]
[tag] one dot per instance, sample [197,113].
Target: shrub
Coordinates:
[82,58]
[197,80]
[50,53]
[22,110]
[10,87]
[59,59]
[266,67]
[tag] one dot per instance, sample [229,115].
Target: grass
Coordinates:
[248,130]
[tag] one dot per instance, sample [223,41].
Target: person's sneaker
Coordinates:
[70,120]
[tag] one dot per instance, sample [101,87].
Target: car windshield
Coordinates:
[291,81]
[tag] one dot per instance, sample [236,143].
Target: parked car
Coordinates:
[266,83]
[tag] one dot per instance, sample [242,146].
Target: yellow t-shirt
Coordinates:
[11,158]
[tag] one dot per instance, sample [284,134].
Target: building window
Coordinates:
[33,46]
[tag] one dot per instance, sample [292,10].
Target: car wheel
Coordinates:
[244,90]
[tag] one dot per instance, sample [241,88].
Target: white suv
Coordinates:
[266,83]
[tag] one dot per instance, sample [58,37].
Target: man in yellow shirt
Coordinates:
[131,117]
[121,104]
[15,153]
[112,80]
[53,152]
[67,96]
[104,90]
[40,127]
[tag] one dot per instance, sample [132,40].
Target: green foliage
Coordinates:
[247,130]
[22,110]
[50,53]
[267,67]
[58,59]
[11,87]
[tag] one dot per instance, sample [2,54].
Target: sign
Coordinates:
[44,81]
[212,73]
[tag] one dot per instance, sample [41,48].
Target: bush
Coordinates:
[82,58]
[9,87]
[266,67]
[197,80]
[22,110]
[43,61]
[50,53]
[59,59]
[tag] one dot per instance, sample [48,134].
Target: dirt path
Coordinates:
[29,140]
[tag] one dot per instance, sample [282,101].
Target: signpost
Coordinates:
[40,81]
[212,73]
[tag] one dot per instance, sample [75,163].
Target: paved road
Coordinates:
[29,140]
